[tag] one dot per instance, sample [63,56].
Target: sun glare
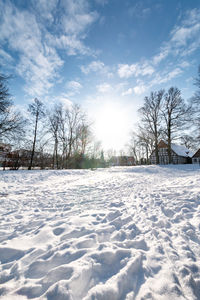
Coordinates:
[111,126]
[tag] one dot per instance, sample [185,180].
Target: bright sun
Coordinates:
[111,126]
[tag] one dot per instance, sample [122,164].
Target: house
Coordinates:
[17,158]
[196,157]
[122,161]
[4,151]
[179,154]
[21,158]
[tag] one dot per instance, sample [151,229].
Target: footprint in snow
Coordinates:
[58,230]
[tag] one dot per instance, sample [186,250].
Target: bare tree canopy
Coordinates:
[176,115]
[11,121]
[151,116]
[37,110]
[70,132]
[197,80]
[5,101]
[196,104]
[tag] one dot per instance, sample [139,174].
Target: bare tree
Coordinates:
[71,120]
[145,140]
[37,111]
[196,104]
[11,122]
[54,125]
[176,114]
[134,147]
[189,142]
[5,101]
[83,137]
[197,83]
[151,117]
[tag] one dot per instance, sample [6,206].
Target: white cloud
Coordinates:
[184,64]
[183,41]
[28,34]
[139,89]
[96,67]
[128,92]
[37,62]
[75,17]
[166,76]
[71,44]
[181,35]
[184,38]
[5,56]
[45,8]
[64,100]
[161,56]
[77,20]
[74,85]
[104,87]
[126,71]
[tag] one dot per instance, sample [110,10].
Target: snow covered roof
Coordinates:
[182,150]
[197,154]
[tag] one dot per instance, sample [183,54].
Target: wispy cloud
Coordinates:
[139,11]
[97,67]
[73,88]
[101,2]
[5,56]
[184,38]
[127,92]
[137,90]
[64,99]
[126,71]
[74,85]
[28,33]
[165,76]
[104,87]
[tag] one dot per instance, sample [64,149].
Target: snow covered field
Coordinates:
[119,233]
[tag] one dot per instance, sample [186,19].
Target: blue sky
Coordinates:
[106,55]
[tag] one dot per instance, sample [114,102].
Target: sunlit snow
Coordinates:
[109,234]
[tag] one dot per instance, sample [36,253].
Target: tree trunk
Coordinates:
[156,149]
[34,141]
[56,152]
[169,150]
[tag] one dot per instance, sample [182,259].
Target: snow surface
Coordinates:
[112,234]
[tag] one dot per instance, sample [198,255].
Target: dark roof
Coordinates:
[197,154]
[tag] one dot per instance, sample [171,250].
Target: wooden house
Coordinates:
[196,157]
[179,154]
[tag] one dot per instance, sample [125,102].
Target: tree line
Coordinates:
[60,137]
[166,115]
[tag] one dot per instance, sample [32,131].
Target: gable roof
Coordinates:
[178,149]
[197,154]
